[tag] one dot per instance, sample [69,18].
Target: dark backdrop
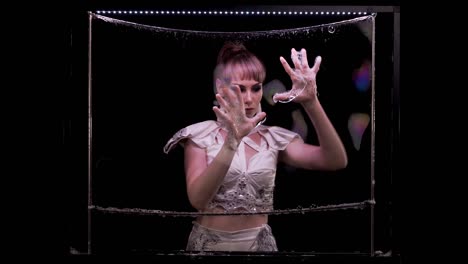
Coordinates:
[145,89]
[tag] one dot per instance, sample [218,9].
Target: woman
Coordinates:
[230,163]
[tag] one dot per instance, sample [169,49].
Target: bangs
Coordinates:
[244,70]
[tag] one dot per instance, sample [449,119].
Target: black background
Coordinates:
[145,188]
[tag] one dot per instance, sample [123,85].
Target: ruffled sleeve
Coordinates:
[278,137]
[202,134]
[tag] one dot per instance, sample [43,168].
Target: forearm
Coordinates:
[202,190]
[330,143]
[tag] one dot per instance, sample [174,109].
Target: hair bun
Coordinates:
[230,50]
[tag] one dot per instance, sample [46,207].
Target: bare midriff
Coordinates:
[231,222]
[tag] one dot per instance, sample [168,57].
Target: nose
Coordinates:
[247,97]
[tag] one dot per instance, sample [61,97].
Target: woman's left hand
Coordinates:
[304,85]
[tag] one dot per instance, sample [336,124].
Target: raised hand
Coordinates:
[304,86]
[232,114]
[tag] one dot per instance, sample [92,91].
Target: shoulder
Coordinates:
[199,133]
[200,127]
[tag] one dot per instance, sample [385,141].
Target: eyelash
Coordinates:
[255,89]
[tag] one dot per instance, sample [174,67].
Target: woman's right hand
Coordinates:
[232,114]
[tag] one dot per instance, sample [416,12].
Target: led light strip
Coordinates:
[195,12]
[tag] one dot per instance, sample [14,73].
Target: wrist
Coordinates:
[310,103]
[231,143]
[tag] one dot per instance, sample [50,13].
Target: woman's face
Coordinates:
[252,92]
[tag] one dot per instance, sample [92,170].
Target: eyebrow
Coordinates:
[244,85]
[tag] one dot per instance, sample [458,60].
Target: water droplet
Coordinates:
[331,29]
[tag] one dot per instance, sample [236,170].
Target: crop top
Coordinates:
[244,187]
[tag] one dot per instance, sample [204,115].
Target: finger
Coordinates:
[286,66]
[305,62]
[281,96]
[237,92]
[295,59]
[222,103]
[318,61]
[259,117]
[233,98]
[219,114]
[229,95]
